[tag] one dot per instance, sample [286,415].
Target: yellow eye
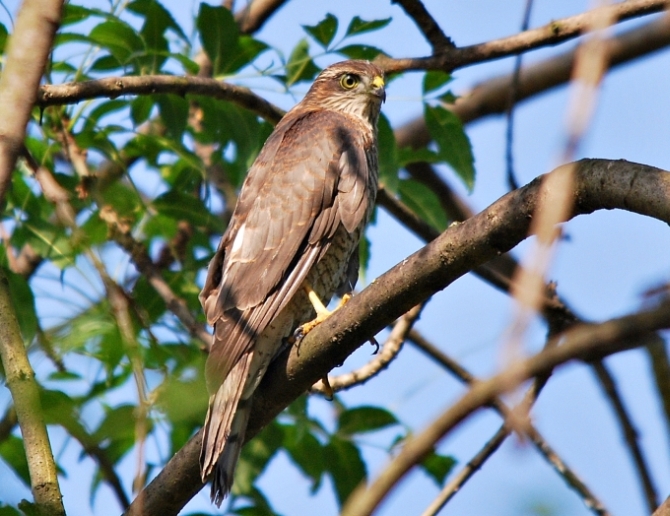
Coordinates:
[349,81]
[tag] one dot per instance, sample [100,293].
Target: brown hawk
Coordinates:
[292,241]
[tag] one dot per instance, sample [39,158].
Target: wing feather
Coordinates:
[311,175]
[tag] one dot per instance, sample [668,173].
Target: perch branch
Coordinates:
[600,184]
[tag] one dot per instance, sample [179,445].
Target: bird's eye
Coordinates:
[349,81]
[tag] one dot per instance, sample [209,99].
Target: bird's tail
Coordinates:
[224,430]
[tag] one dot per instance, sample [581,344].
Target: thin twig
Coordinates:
[528,283]
[512,182]
[660,365]
[449,490]
[491,96]
[381,360]
[256,13]
[629,433]
[430,28]
[73,92]
[461,478]
[139,256]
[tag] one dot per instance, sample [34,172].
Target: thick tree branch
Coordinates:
[551,34]
[584,342]
[20,379]
[27,55]
[600,184]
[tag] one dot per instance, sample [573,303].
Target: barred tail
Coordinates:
[224,430]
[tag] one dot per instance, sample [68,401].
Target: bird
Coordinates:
[291,244]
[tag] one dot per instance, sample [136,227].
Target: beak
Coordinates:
[378,87]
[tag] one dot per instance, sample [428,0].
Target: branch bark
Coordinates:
[73,92]
[551,34]
[600,184]
[27,55]
[25,394]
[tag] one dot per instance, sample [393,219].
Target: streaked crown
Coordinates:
[353,87]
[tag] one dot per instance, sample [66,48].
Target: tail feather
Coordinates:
[224,471]
[224,430]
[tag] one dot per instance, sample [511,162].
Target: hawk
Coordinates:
[291,244]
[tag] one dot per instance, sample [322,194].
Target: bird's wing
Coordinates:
[311,175]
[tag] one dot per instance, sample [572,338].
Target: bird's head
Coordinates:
[352,87]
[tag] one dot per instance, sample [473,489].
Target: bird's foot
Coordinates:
[322,313]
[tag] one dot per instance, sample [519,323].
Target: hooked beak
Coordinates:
[378,87]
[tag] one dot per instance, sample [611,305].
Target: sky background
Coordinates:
[611,258]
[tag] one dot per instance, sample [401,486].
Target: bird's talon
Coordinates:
[329,392]
[374,342]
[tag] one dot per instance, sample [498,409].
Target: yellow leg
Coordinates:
[322,313]
[328,388]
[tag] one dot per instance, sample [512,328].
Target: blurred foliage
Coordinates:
[158,169]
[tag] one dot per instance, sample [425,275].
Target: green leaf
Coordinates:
[48,240]
[174,114]
[306,452]
[345,465]
[118,428]
[6,510]
[76,13]
[106,64]
[324,31]
[119,38]
[438,466]
[255,457]
[190,66]
[24,304]
[3,38]
[408,155]
[125,201]
[58,408]
[14,455]
[102,109]
[364,419]
[218,35]
[359,26]
[140,109]
[300,66]
[181,206]
[239,133]
[423,201]
[435,79]
[162,19]
[360,52]
[453,144]
[246,51]
[184,400]
[388,155]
